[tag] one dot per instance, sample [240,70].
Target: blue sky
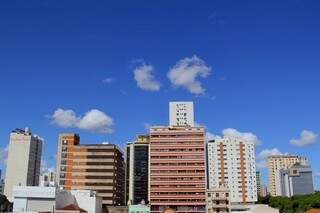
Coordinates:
[248,65]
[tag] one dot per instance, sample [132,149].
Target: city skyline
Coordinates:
[246,71]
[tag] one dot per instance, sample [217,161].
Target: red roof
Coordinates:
[73,207]
[313,211]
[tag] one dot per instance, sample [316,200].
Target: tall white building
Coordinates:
[24,159]
[232,161]
[181,114]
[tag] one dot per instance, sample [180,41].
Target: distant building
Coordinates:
[275,164]
[47,179]
[51,199]
[232,161]
[258,178]
[218,199]
[177,169]
[24,158]
[98,167]
[137,154]
[263,191]
[181,114]
[297,180]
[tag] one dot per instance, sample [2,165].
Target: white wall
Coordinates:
[181,108]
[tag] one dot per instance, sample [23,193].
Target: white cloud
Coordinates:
[262,157]
[233,133]
[210,136]
[108,80]
[143,74]
[186,74]
[64,118]
[306,138]
[93,120]
[247,136]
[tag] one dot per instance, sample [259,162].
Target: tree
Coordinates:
[4,203]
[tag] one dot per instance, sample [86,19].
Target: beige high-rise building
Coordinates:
[24,159]
[96,167]
[275,164]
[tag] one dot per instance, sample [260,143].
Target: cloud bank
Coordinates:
[94,120]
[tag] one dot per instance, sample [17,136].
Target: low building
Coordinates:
[139,208]
[85,199]
[297,180]
[49,199]
[117,209]
[35,199]
[218,199]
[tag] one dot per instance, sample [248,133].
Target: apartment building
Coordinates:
[24,159]
[275,164]
[232,161]
[177,178]
[137,154]
[97,167]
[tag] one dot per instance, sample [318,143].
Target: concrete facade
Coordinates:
[232,161]
[177,177]
[24,159]
[34,199]
[49,199]
[97,167]
[181,114]
[218,199]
